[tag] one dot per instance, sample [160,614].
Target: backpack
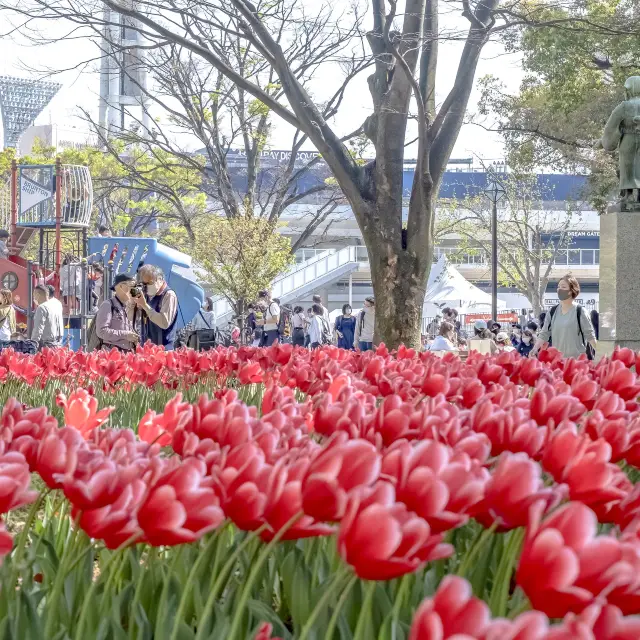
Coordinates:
[327,338]
[93,342]
[284,323]
[588,349]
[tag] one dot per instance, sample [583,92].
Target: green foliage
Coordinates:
[240,255]
[574,78]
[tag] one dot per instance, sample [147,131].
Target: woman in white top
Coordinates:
[299,323]
[7,315]
[206,317]
[445,339]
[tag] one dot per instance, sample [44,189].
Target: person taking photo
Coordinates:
[114,320]
[159,307]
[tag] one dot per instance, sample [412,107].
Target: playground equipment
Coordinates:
[54,204]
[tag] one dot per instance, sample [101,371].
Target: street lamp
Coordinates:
[495,191]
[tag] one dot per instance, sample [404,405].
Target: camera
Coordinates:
[135,292]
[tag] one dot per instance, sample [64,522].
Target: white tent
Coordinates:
[448,288]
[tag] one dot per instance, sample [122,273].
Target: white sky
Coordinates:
[80,86]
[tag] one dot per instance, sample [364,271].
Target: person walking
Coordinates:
[299,322]
[316,299]
[567,326]
[366,324]
[114,320]
[346,328]
[271,318]
[316,326]
[7,315]
[48,326]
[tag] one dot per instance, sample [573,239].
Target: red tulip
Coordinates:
[81,411]
[382,540]
[284,501]
[515,485]
[453,612]
[116,523]
[151,431]
[621,381]
[531,625]
[179,508]
[243,485]
[438,488]
[264,632]
[14,482]
[563,564]
[250,373]
[57,456]
[6,541]
[340,468]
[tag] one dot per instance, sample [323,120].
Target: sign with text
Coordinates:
[470,318]
[32,193]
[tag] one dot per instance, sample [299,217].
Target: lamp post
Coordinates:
[495,191]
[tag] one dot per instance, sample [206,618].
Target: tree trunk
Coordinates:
[400,288]
[399,278]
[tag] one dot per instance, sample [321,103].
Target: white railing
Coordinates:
[564,257]
[320,264]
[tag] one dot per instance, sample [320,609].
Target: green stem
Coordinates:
[397,605]
[94,585]
[502,582]
[162,608]
[476,546]
[335,583]
[333,623]
[58,584]
[229,564]
[253,576]
[365,611]
[187,588]
[22,539]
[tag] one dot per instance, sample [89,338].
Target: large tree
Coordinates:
[574,76]
[403,46]
[530,233]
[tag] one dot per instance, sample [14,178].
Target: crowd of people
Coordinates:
[567,327]
[268,320]
[144,308]
[140,308]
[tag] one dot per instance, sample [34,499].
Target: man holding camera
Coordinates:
[114,320]
[159,307]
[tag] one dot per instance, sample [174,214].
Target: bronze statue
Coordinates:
[622,132]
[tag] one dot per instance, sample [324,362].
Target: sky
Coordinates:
[80,85]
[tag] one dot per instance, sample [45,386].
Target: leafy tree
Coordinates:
[575,70]
[239,255]
[529,236]
[402,50]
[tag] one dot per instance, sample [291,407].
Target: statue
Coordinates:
[622,132]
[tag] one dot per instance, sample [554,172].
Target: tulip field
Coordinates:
[243,494]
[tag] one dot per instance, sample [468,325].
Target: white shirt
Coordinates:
[5,331]
[204,320]
[298,321]
[271,317]
[315,330]
[442,344]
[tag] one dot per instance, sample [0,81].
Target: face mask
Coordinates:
[563,294]
[152,289]
[526,340]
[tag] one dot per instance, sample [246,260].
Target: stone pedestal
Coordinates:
[620,278]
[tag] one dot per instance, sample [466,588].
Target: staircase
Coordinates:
[302,279]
